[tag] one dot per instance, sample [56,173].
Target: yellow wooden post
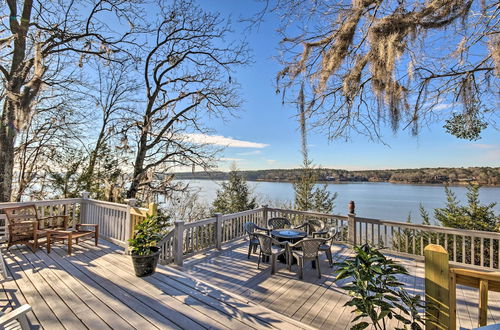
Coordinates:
[483,302]
[137,215]
[453,300]
[153,209]
[437,287]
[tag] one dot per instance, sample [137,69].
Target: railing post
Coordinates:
[437,289]
[153,209]
[351,224]
[178,242]
[218,230]
[129,230]
[265,215]
[83,207]
[483,302]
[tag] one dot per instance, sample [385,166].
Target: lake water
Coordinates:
[378,200]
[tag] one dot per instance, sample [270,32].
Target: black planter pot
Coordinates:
[146,265]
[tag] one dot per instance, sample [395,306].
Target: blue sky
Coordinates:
[265,134]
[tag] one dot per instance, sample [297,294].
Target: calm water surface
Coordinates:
[379,200]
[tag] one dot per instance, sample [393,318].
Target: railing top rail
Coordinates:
[310,213]
[42,202]
[485,275]
[165,238]
[240,214]
[98,202]
[199,223]
[445,230]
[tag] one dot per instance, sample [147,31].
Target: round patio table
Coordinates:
[290,235]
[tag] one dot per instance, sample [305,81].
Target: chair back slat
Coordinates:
[21,213]
[265,243]
[310,246]
[279,223]
[314,226]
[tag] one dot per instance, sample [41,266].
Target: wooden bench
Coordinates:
[26,226]
[69,235]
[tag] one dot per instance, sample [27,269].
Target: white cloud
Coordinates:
[443,106]
[484,146]
[271,161]
[228,159]
[488,152]
[220,140]
[249,153]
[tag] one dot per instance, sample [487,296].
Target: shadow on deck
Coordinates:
[96,288]
[316,302]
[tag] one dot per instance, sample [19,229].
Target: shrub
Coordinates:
[376,292]
[147,233]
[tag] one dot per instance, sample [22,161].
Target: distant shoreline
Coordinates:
[351,182]
[484,176]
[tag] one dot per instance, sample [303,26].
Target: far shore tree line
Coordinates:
[479,175]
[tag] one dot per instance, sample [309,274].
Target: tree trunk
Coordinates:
[89,172]
[138,167]
[7,140]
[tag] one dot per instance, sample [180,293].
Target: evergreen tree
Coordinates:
[424,214]
[473,216]
[235,195]
[307,196]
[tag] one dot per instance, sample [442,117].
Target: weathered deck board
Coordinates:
[96,288]
[313,301]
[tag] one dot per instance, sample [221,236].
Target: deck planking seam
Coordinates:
[14,287]
[74,303]
[169,290]
[136,320]
[148,306]
[235,302]
[62,312]
[100,308]
[317,305]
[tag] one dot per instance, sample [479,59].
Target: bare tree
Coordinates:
[187,78]
[112,94]
[367,62]
[37,145]
[40,41]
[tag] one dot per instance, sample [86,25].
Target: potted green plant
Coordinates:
[376,291]
[143,246]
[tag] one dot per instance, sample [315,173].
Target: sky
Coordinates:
[265,134]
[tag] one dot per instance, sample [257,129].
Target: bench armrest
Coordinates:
[58,231]
[54,216]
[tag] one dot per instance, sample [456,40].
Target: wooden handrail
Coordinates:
[484,281]
[476,274]
[441,284]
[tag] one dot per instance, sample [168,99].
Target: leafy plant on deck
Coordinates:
[376,292]
[147,233]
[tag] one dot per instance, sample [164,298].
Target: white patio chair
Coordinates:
[16,319]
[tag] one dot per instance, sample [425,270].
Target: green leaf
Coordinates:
[360,326]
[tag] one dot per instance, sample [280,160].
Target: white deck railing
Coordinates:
[69,206]
[476,248]
[114,219]
[472,247]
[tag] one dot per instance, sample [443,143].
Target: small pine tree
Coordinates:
[307,197]
[235,195]
[311,198]
[424,214]
[474,216]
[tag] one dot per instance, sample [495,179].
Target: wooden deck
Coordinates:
[313,301]
[97,289]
